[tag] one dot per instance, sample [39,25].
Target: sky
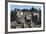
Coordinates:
[12,7]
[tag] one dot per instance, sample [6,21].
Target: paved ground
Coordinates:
[24,25]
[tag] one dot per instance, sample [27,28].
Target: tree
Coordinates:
[25,10]
[16,9]
[33,9]
[12,15]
